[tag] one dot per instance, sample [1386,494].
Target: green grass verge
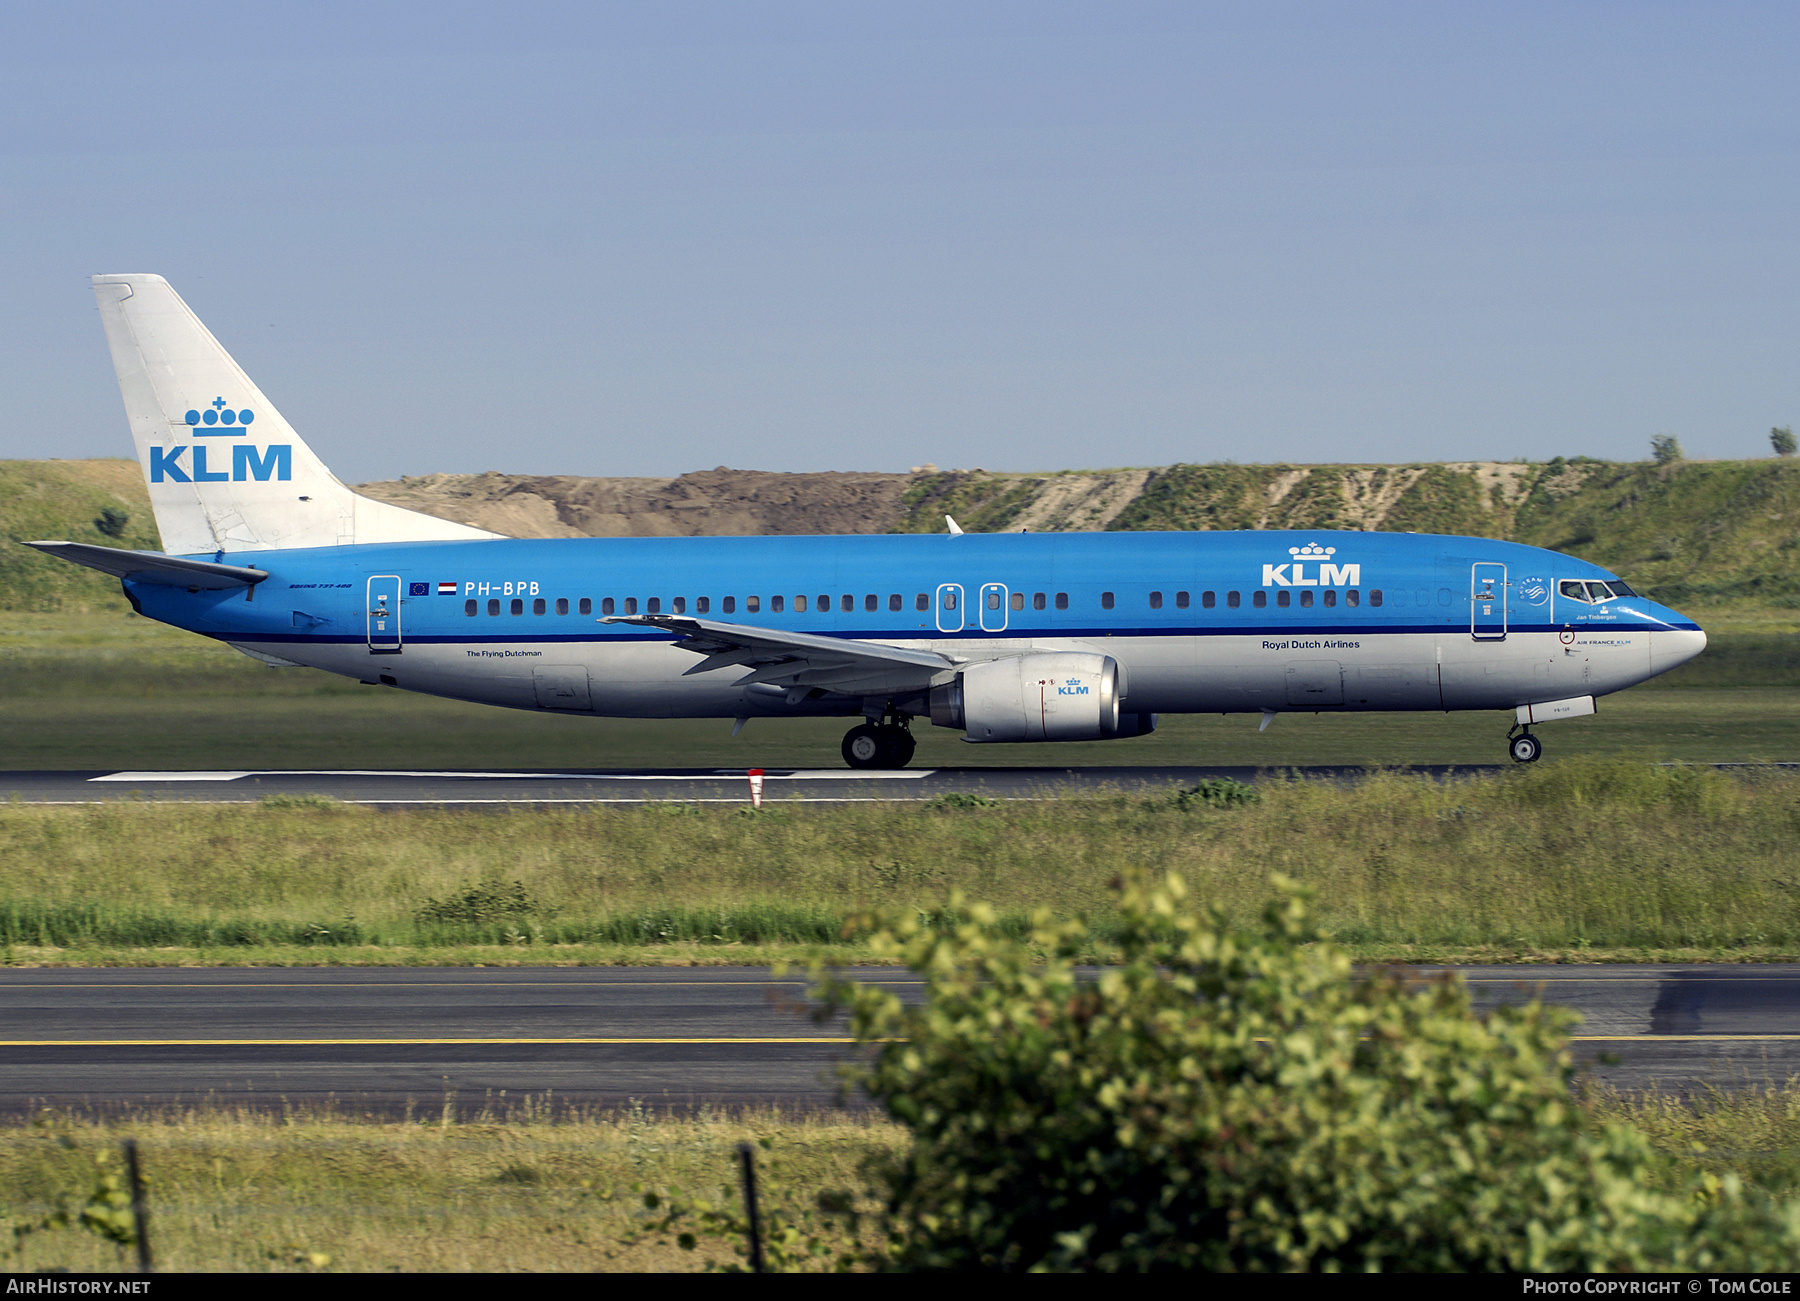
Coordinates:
[536,1188]
[1587,859]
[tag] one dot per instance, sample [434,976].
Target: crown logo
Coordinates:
[1311,551]
[217,413]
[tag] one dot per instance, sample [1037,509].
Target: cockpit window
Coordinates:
[1619,589]
[1573,590]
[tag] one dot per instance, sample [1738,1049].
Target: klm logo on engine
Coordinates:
[1072,687]
[1329,574]
[247,462]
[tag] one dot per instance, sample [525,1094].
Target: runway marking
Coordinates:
[397,1043]
[720,774]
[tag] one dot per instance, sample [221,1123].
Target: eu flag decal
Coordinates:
[418,589]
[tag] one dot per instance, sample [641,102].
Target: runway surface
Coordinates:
[628,786]
[390,1040]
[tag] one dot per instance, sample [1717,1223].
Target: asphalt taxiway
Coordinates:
[632,786]
[393,1040]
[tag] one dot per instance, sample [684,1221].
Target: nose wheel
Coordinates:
[1524,747]
[888,746]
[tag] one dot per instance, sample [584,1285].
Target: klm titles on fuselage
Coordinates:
[247,462]
[1330,575]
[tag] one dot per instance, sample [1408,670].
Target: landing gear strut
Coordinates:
[1523,746]
[889,745]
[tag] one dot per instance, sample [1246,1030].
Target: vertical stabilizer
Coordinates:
[225,471]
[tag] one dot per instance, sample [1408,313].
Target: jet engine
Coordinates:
[1048,696]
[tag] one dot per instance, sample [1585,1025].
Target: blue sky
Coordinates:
[649,238]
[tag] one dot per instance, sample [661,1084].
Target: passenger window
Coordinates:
[922,601]
[1375,597]
[631,605]
[587,606]
[562,605]
[469,607]
[729,605]
[1208,600]
[1305,599]
[1259,599]
[1156,600]
[1062,600]
[1233,600]
[894,601]
[1018,600]
[1329,598]
[1037,601]
[606,605]
[846,603]
[824,602]
[799,605]
[1353,598]
[1106,600]
[1284,598]
[871,603]
[949,601]
[776,604]
[537,606]
[493,607]
[653,605]
[518,606]
[701,604]
[679,605]
[1181,600]
[752,604]
[993,600]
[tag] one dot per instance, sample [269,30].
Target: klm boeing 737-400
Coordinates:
[1005,637]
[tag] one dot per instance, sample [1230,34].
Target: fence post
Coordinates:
[140,1214]
[747,1157]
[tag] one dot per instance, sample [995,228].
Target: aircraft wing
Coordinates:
[799,661]
[153,566]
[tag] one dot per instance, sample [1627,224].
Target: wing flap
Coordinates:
[776,655]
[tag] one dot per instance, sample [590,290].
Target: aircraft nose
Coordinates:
[1674,647]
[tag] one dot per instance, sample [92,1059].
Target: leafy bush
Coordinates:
[1216,792]
[1229,1100]
[1665,449]
[488,901]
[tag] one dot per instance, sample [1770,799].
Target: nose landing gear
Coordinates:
[1523,746]
[889,745]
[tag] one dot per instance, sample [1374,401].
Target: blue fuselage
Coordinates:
[1198,622]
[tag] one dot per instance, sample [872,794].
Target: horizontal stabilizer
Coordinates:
[153,566]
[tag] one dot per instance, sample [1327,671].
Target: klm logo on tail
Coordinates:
[247,463]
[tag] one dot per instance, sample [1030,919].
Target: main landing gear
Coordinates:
[887,745]
[1523,746]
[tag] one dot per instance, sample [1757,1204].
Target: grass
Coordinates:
[545,1190]
[247,1191]
[1588,859]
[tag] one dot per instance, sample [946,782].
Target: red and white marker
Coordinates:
[756,776]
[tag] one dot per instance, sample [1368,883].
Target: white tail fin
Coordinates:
[225,471]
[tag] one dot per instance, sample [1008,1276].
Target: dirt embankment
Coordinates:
[717,502]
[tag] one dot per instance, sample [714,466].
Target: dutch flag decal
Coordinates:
[446,589]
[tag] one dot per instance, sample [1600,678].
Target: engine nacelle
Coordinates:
[1049,696]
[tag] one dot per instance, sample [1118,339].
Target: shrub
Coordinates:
[1242,1100]
[1216,792]
[1665,449]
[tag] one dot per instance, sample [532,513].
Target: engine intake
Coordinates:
[1050,696]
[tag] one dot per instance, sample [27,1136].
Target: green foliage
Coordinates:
[807,1241]
[484,902]
[1665,449]
[1216,792]
[1230,1099]
[962,800]
[106,1213]
[1781,439]
[112,521]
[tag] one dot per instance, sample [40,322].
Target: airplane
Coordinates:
[1006,637]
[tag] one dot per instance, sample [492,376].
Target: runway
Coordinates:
[633,786]
[388,1041]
